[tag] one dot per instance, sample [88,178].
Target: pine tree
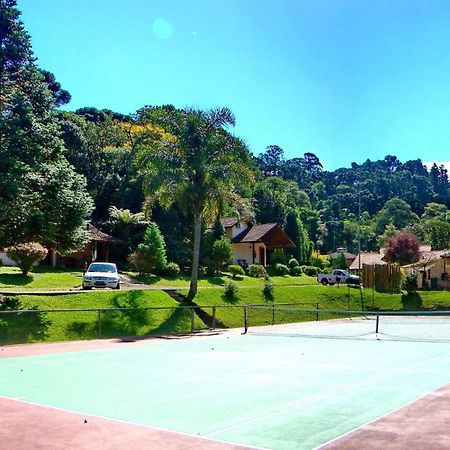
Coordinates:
[153,249]
[42,199]
[298,235]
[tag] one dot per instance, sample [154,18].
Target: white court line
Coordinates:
[127,422]
[302,403]
[380,417]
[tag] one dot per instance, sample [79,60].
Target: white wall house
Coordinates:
[5,259]
[253,244]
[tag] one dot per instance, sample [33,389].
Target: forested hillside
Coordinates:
[390,195]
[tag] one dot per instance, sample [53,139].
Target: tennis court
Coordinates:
[279,387]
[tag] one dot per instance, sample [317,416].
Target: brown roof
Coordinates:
[99,236]
[270,234]
[430,256]
[369,258]
[228,222]
[347,255]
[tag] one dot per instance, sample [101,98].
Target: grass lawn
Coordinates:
[40,278]
[47,278]
[182,280]
[306,297]
[59,326]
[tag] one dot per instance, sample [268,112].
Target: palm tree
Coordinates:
[124,219]
[195,162]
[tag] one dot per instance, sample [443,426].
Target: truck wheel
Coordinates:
[324,281]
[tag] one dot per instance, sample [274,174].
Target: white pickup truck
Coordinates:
[338,276]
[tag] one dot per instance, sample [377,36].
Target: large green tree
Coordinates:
[191,158]
[41,197]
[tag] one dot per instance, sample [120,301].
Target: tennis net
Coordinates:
[426,326]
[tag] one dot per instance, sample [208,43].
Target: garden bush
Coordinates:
[140,262]
[293,263]
[296,271]
[27,254]
[409,284]
[320,261]
[235,270]
[278,257]
[257,271]
[311,271]
[172,269]
[281,269]
[268,290]
[230,290]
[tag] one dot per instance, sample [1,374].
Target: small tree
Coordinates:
[221,252]
[402,248]
[27,254]
[153,249]
[340,262]
[277,257]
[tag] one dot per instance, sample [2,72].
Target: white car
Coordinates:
[101,275]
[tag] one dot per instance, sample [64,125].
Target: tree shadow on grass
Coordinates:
[230,299]
[15,279]
[216,281]
[21,327]
[412,301]
[83,330]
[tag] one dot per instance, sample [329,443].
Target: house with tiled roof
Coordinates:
[253,244]
[367,258]
[431,269]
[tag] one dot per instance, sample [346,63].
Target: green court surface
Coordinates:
[277,392]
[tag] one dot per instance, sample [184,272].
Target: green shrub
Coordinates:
[230,290]
[409,284]
[296,271]
[27,254]
[320,261]
[311,271]
[268,290]
[281,269]
[293,263]
[221,252]
[235,270]
[278,257]
[172,269]
[151,254]
[257,271]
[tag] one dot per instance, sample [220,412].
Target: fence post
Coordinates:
[192,318]
[99,323]
[317,312]
[214,318]
[245,319]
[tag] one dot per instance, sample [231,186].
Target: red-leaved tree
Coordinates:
[403,248]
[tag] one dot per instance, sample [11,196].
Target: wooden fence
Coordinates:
[382,277]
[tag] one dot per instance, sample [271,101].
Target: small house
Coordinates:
[253,244]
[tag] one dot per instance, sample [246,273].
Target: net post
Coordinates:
[192,318]
[99,323]
[214,318]
[317,311]
[273,314]
[245,319]
[377,323]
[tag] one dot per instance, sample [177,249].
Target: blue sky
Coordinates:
[345,79]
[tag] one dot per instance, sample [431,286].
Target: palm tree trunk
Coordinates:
[196,256]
